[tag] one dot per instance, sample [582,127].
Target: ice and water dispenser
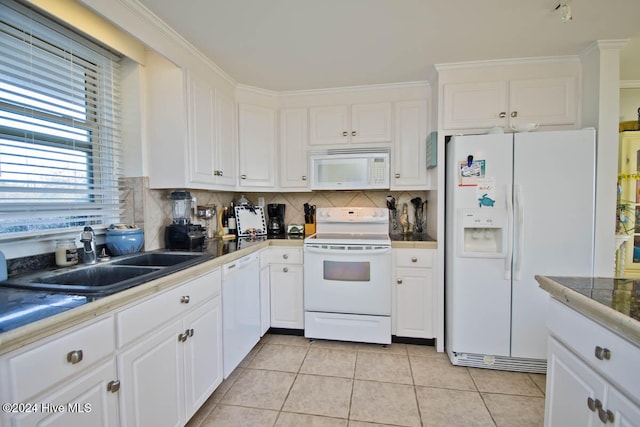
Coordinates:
[483,234]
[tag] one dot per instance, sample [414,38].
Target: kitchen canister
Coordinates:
[66,253]
[123,239]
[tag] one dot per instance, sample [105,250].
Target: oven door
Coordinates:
[347,279]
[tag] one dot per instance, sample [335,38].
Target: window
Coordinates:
[59,127]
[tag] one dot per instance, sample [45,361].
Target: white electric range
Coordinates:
[347,276]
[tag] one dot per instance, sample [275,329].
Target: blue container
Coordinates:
[123,242]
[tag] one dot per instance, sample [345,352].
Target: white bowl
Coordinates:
[524,127]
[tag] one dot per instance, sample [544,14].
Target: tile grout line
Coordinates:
[482,397]
[292,383]
[415,391]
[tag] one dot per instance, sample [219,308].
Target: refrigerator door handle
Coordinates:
[507,260]
[520,235]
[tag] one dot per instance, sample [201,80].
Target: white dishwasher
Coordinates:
[240,310]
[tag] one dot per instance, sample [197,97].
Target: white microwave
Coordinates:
[349,169]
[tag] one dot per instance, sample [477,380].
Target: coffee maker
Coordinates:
[181,234]
[275,226]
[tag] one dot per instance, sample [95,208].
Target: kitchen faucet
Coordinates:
[88,238]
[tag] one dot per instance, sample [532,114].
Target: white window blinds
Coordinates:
[59,127]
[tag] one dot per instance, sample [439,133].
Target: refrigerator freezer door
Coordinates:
[478,295]
[554,182]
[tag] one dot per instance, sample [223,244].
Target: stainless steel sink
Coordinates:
[112,276]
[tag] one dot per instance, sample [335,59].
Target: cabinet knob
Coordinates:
[397,175]
[344,133]
[113,386]
[219,173]
[399,281]
[593,404]
[243,176]
[304,177]
[183,337]
[602,353]
[354,133]
[414,259]
[189,332]
[502,114]
[74,356]
[285,256]
[285,269]
[514,114]
[606,416]
[185,299]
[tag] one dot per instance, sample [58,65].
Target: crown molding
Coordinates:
[502,62]
[381,86]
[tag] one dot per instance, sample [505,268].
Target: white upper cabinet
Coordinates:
[547,101]
[344,124]
[294,130]
[211,135]
[409,166]
[257,146]
[191,134]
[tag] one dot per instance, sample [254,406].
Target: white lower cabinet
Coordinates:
[586,388]
[286,282]
[413,312]
[265,292]
[55,377]
[176,364]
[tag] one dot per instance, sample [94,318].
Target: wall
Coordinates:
[151,210]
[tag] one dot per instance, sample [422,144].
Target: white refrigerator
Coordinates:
[517,205]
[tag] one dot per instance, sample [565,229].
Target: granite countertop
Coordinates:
[52,312]
[614,302]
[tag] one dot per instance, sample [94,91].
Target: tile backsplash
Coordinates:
[151,209]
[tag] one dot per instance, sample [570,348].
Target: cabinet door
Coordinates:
[257,146]
[475,105]
[84,401]
[371,123]
[227,143]
[414,303]
[293,148]
[570,383]
[625,412]
[203,354]
[265,301]
[409,145]
[287,309]
[329,125]
[202,130]
[152,380]
[544,101]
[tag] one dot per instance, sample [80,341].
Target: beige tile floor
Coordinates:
[292,381]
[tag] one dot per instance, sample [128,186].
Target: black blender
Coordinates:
[181,234]
[275,226]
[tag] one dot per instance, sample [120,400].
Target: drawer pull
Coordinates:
[414,259]
[113,386]
[602,353]
[285,269]
[74,357]
[185,299]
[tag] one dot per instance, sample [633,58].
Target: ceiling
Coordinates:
[313,44]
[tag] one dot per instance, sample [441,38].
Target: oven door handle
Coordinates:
[345,250]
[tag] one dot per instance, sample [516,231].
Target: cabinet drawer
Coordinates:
[415,258]
[584,336]
[62,356]
[141,318]
[285,255]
